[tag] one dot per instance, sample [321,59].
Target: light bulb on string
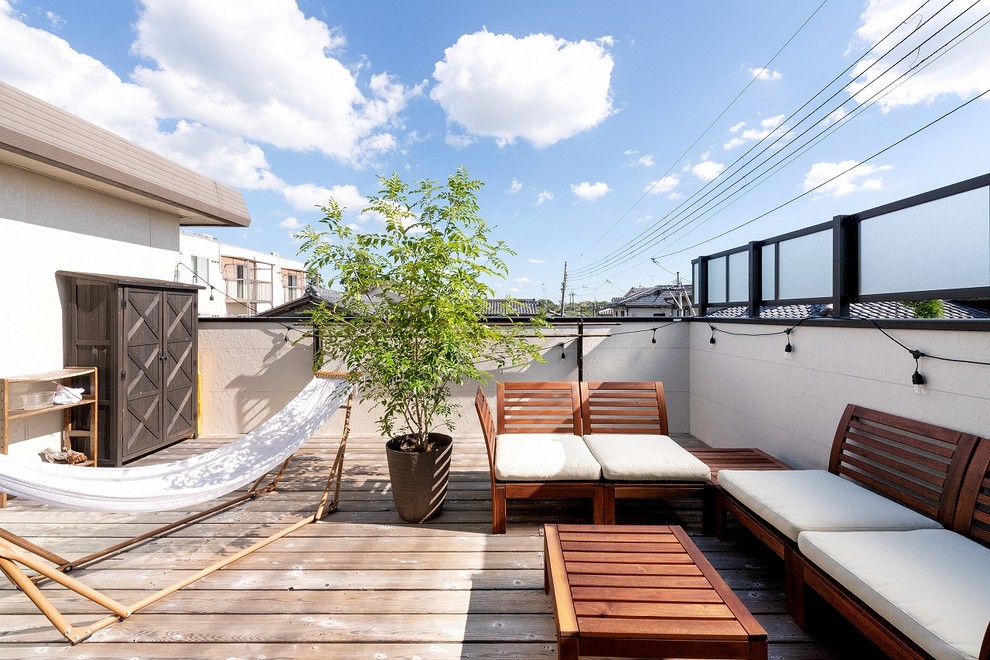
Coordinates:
[917,378]
[654,340]
[712,340]
[788,349]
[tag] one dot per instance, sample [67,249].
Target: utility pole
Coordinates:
[563,287]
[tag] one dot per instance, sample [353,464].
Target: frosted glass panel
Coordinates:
[716,280]
[944,244]
[806,266]
[769,264]
[739,277]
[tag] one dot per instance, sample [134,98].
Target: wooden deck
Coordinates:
[361,584]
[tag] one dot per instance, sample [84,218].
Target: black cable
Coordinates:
[916,354]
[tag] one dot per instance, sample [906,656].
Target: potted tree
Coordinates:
[409,324]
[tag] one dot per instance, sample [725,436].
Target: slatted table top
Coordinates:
[642,591]
[736,458]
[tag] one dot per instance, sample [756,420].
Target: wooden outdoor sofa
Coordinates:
[894,535]
[601,441]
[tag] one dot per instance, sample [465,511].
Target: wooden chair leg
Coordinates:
[794,588]
[709,511]
[604,505]
[719,516]
[498,509]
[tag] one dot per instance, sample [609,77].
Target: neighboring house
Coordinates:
[512,307]
[297,307]
[662,300]
[238,281]
[77,198]
[864,310]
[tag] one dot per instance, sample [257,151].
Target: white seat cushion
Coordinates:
[632,457]
[544,457]
[796,501]
[933,585]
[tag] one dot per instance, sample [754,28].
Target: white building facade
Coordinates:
[238,281]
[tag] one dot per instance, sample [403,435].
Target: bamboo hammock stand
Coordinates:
[16,552]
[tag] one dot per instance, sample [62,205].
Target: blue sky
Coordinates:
[621,137]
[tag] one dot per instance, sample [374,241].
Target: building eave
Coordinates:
[41,138]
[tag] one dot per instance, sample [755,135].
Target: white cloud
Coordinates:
[664,185]
[537,88]
[73,81]
[767,127]
[535,261]
[766,74]
[590,191]
[459,140]
[266,72]
[642,219]
[860,178]
[707,170]
[544,196]
[307,196]
[514,187]
[524,280]
[54,19]
[645,161]
[962,72]
[290,223]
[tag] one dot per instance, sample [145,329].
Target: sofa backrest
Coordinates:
[487,427]
[624,407]
[973,508]
[917,464]
[540,407]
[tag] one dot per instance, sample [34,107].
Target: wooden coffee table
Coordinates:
[642,591]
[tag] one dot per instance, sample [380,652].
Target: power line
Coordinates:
[705,132]
[736,168]
[837,176]
[636,245]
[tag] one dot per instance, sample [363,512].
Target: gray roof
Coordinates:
[868,310]
[39,137]
[512,307]
[297,307]
[649,296]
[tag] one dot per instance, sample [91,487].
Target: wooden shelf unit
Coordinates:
[85,377]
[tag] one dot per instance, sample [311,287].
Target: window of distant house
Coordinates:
[293,282]
[201,268]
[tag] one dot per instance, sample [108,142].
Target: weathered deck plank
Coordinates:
[362,583]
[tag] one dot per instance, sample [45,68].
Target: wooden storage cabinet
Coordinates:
[79,419]
[141,334]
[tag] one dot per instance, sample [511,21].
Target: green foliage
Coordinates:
[410,322]
[927,309]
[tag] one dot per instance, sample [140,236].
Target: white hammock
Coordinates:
[181,483]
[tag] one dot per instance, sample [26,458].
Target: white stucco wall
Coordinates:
[47,225]
[249,371]
[744,393]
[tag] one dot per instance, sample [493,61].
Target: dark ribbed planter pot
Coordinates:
[419,479]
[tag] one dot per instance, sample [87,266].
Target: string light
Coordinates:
[654,340]
[712,340]
[788,349]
